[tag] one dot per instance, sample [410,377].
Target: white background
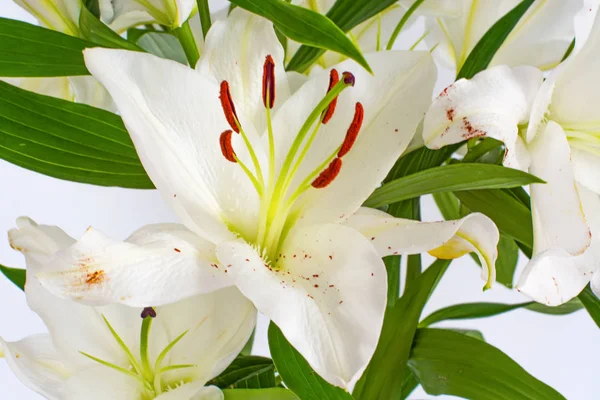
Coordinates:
[560,350]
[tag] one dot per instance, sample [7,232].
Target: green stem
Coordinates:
[204,13]
[186,38]
[402,22]
[144,334]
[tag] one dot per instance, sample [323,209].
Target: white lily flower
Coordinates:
[257,176]
[551,130]
[111,352]
[541,37]
[62,16]
[122,14]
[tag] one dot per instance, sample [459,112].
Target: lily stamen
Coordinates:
[328,174]
[268,83]
[353,130]
[229,107]
[334,78]
[226,147]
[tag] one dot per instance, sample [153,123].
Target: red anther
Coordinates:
[268,82]
[226,147]
[353,130]
[328,174]
[348,78]
[228,106]
[334,78]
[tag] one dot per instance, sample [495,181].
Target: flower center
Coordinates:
[277,194]
[151,376]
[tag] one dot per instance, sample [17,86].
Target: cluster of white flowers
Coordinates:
[268,170]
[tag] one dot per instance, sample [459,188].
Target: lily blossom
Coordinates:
[113,352]
[126,13]
[62,16]
[549,128]
[540,38]
[268,184]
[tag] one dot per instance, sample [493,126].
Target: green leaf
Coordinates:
[94,30]
[409,384]
[15,275]
[204,12]
[67,140]
[449,178]
[511,216]
[163,45]
[506,264]
[447,362]
[385,373]
[259,394]
[93,6]
[484,310]
[475,334]
[247,372]
[448,205]
[298,376]
[591,303]
[32,51]
[484,51]
[346,14]
[481,149]
[305,26]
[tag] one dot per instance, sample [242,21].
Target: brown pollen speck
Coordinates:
[95,277]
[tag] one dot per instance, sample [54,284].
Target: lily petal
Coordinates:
[218,326]
[37,364]
[393,100]
[88,90]
[492,104]
[446,239]
[159,264]
[193,391]
[125,13]
[328,298]
[235,51]
[58,87]
[58,15]
[115,385]
[558,218]
[175,119]
[586,167]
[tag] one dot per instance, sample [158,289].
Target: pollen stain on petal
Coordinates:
[95,277]
[471,132]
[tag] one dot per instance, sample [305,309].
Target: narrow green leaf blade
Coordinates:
[447,362]
[163,45]
[385,373]
[297,374]
[569,307]
[66,140]
[511,216]
[15,275]
[449,178]
[346,14]
[484,51]
[259,394]
[305,26]
[247,372]
[591,303]
[94,30]
[506,264]
[32,51]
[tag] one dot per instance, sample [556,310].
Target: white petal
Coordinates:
[58,15]
[394,101]
[445,239]
[328,298]
[37,365]
[88,90]
[541,37]
[159,264]
[125,13]
[175,119]
[218,324]
[558,219]
[491,104]
[58,87]
[193,391]
[235,51]
[576,95]
[595,284]
[586,167]
[102,383]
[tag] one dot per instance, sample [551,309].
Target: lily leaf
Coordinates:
[66,140]
[447,362]
[385,374]
[506,264]
[94,30]
[247,372]
[449,178]
[32,51]
[297,374]
[511,216]
[591,303]
[305,26]
[259,394]
[485,50]
[164,45]
[346,14]
[15,275]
